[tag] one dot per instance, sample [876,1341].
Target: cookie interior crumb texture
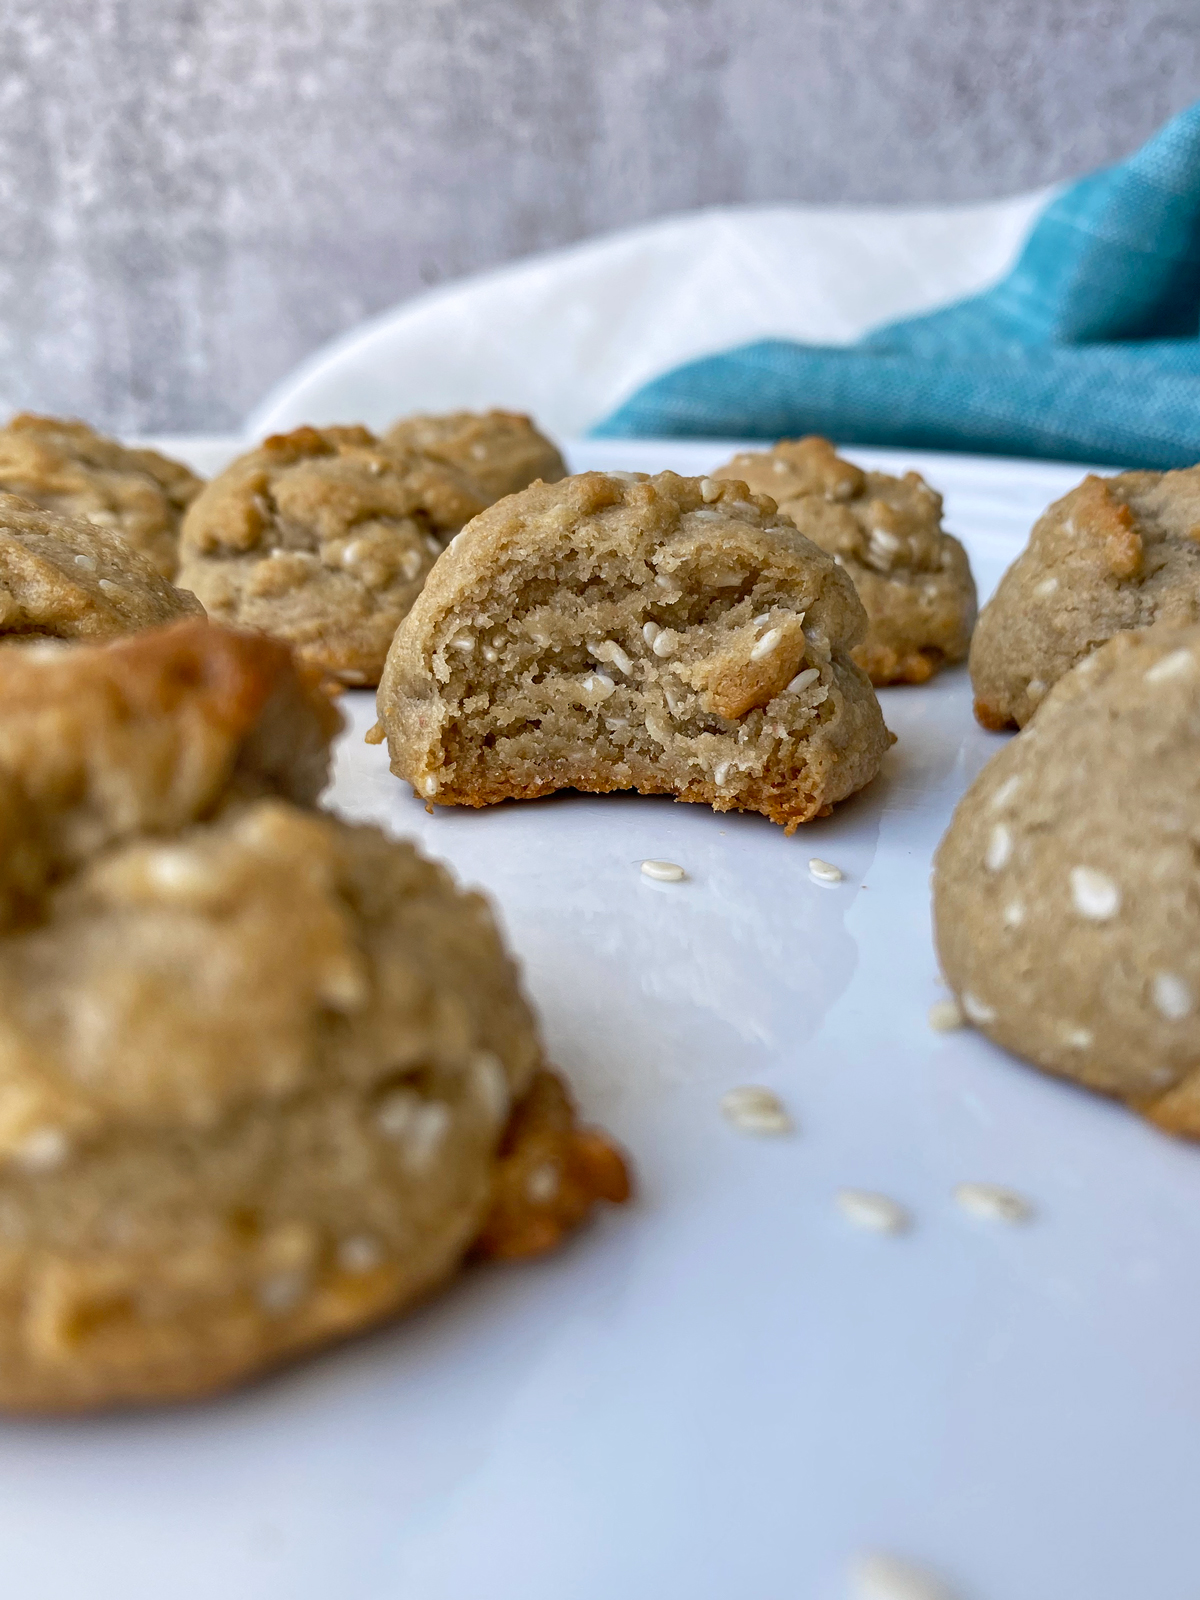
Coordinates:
[669,635]
[323,537]
[68,468]
[265,1077]
[501,452]
[1067,892]
[913,578]
[1115,554]
[66,578]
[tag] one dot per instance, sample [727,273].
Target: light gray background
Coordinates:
[196,193]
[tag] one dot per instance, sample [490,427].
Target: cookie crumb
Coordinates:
[992,1202]
[945,1016]
[663,871]
[863,1208]
[374,734]
[754,1109]
[824,871]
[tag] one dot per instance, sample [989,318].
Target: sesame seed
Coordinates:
[1046,588]
[1077,1038]
[650,632]
[993,1202]
[1172,996]
[886,542]
[709,490]
[542,1184]
[763,616]
[1014,914]
[945,1016]
[464,642]
[664,581]
[109,587]
[429,785]
[491,1082]
[824,871]
[88,563]
[599,684]
[1006,791]
[395,1112]
[753,1109]
[803,679]
[665,642]
[977,1010]
[282,1291]
[1174,665]
[877,1212]
[766,644]
[359,1253]
[721,772]
[628,477]
[618,657]
[883,1577]
[779,466]
[999,848]
[490,653]
[1035,688]
[427,1129]
[43,1150]
[663,871]
[1095,895]
[353,552]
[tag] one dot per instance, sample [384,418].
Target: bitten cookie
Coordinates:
[614,631]
[67,468]
[1115,553]
[913,578]
[500,451]
[61,578]
[265,1077]
[1066,892]
[323,538]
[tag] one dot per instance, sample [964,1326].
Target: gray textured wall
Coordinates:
[197,192]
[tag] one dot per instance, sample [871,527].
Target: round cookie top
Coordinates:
[68,468]
[913,577]
[616,631]
[62,578]
[1113,554]
[1067,892]
[500,451]
[323,537]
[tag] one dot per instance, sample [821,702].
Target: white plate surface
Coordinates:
[724,1390]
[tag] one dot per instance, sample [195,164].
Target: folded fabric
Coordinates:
[1089,349]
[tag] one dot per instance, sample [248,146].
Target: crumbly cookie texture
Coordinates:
[1114,554]
[614,631]
[913,578]
[502,452]
[323,537]
[68,468]
[265,1077]
[64,578]
[1066,892]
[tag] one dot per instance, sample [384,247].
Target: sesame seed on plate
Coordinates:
[753,1109]
[824,871]
[875,1576]
[993,1202]
[863,1208]
[945,1016]
[663,871]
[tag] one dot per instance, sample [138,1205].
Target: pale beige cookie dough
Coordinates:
[1066,892]
[68,468]
[1115,553]
[500,451]
[913,577]
[323,537]
[63,578]
[265,1077]
[614,631]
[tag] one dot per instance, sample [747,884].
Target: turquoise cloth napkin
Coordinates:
[1089,350]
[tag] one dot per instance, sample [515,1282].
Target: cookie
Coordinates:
[614,631]
[63,578]
[1066,892]
[68,468]
[913,578]
[265,1077]
[1115,553]
[323,538]
[500,451]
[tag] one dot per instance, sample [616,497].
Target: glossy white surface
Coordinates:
[726,1390]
